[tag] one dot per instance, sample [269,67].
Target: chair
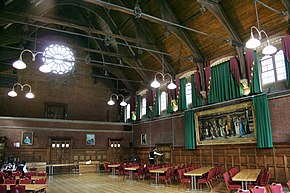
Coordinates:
[25,181]
[207,179]
[288,185]
[9,181]
[229,184]
[183,180]
[17,189]
[2,189]
[259,189]
[40,181]
[41,174]
[276,188]
[166,177]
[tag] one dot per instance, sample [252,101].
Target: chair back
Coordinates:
[259,189]
[276,188]
[227,178]
[40,181]
[2,189]
[41,174]
[17,189]
[25,181]
[9,181]
[288,185]
[180,174]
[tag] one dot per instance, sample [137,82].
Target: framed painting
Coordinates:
[226,125]
[27,138]
[90,139]
[143,139]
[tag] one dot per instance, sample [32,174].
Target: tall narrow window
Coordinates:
[163,101]
[273,68]
[127,112]
[143,110]
[188,94]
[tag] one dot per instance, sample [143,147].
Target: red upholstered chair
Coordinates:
[41,174]
[259,189]
[207,179]
[9,181]
[229,184]
[25,181]
[166,177]
[2,189]
[17,189]
[40,181]
[288,185]
[183,180]
[276,188]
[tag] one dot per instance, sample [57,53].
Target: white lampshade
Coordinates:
[253,42]
[45,68]
[67,145]
[269,49]
[123,103]
[29,95]
[111,102]
[12,93]
[19,64]
[171,85]
[155,84]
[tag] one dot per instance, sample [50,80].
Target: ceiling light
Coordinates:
[269,49]
[156,84]
[29,95]
[19,64]
[111,102]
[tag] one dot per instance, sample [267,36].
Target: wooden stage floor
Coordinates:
[103,183]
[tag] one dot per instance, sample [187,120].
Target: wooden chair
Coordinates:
[25,181]
[17,189]
[183,180]
[276,188]
[40,181]
[207,179]
[166,177]
[9,181]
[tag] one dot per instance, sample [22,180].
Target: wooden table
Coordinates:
[113,166]
[131,169]
[51,166]
[29,187]
[247,175]
[197,172]
[157,172]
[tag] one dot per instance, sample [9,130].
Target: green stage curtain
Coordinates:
[263,125]
[148,112]
[196,98]
[223,86]
[255,83]
[189,130]
[157,101]
[169,105]
[138,113]
[287,65]
[182,95]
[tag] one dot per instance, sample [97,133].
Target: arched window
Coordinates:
[188,94]
[127,112]
[273,68]
[143,110]
[163,101]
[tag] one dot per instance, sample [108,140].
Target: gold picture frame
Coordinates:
[226,125]
[27,138]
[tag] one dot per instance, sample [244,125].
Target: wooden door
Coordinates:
[115,150]
[60,151]
[166,149]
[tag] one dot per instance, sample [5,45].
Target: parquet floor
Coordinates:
[103,183]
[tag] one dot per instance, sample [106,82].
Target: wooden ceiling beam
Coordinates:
[286,3]
[214,7]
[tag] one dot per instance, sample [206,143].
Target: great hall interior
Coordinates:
[88,88]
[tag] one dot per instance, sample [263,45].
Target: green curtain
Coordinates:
[157,101]
[189,130]
[255,83]
[287,65]
[196,98]
[182,95]
[138,113]
[223,86]
[263,125]
[169,105]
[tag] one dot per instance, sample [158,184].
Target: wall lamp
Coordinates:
[111,102]
[19,64]
[12,93]
[253,42]
[156,84]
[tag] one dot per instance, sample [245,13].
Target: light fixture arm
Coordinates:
[111,102]
[163,76]
[33,54]
[21,86]
[258,32]
[117,96]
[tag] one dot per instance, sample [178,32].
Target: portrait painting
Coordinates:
[90,139]
[27,138]
[143,139]
[226,125]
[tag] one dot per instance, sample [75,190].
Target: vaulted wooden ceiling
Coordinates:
[167,36]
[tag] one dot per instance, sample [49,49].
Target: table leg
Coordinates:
[246,185]
[113,171]
[156,178]
[192,182]
[131,174]
[195,182]
[242,184]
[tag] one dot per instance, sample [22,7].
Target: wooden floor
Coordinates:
[103,183]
